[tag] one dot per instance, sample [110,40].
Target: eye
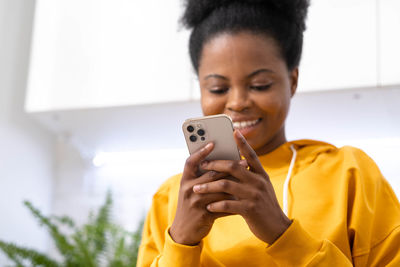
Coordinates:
[261,87]
[219,91]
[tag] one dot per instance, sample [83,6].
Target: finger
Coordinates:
[214,175]
[209,176]
[248,152]
[232,167]
[193,161]
[200,201]
[224,186]
[215,197]
[226,206]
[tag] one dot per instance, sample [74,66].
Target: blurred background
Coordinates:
[93,94]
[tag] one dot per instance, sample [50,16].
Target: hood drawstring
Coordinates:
[286,184]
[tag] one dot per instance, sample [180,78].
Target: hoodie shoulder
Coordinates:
[171,184]
[350,157]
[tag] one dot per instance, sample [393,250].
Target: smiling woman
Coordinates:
[298,203]
[253,86]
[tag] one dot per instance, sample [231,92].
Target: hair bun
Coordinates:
[198,10]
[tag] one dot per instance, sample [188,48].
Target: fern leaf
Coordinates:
[87,259]
[97,230]
[97,243]
[134,246]
[64,220]
[18,254]
[61,241]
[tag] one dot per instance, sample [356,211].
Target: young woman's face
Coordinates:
[243,75]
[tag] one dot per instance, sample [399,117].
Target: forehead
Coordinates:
[243,51]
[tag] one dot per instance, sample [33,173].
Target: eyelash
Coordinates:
[220,91]
[256,88]
[261,88]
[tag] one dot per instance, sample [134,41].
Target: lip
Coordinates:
[237,119]
[248,130]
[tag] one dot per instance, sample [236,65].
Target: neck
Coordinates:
[276,141]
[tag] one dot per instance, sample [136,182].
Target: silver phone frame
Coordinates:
[219,130]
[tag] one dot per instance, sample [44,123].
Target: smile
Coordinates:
[244,124]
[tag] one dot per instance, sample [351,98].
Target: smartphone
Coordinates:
[217,129]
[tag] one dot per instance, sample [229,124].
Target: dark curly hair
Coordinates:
[283,20]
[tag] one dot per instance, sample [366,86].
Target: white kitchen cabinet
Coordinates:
[389,49]
[340,45]
[97,53]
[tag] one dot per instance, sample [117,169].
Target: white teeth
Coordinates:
[244,124]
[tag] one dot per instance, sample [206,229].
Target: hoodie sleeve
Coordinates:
[297,248]
[373,213]
[171,255]
[157,247]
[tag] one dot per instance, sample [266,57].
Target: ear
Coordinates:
[294,78]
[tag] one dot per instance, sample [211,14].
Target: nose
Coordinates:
[238,99]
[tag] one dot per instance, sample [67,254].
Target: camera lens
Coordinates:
[190,128]
[201,132]
[203,138]
[193,138]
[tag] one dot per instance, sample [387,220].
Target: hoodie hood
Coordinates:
[277,161]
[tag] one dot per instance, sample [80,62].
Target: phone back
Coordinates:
[217,129]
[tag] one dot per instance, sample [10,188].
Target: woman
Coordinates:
[301,203]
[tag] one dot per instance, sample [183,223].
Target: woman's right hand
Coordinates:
[192,220]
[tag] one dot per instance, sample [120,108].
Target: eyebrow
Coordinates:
[254,73]
[259,71]
[215,76]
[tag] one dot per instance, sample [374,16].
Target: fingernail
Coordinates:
[239,134]
[208,146]
[243,163]
[209,207]
[196,188]
[204,163]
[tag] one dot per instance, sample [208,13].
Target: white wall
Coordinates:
[25,148]
[80,184]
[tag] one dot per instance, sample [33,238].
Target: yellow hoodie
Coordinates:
[344,214]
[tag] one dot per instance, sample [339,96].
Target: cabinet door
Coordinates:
[389,29]
[96,53]
[340,46]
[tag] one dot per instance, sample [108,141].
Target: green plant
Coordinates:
[97,243]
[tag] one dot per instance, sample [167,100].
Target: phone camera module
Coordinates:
[190,128]
[193,138]
[201,132]
[203,138]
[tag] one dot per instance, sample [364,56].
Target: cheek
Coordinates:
[282,108]
[212,105]
[276,107]
[283,111]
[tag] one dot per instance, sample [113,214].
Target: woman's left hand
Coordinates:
[254,195]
